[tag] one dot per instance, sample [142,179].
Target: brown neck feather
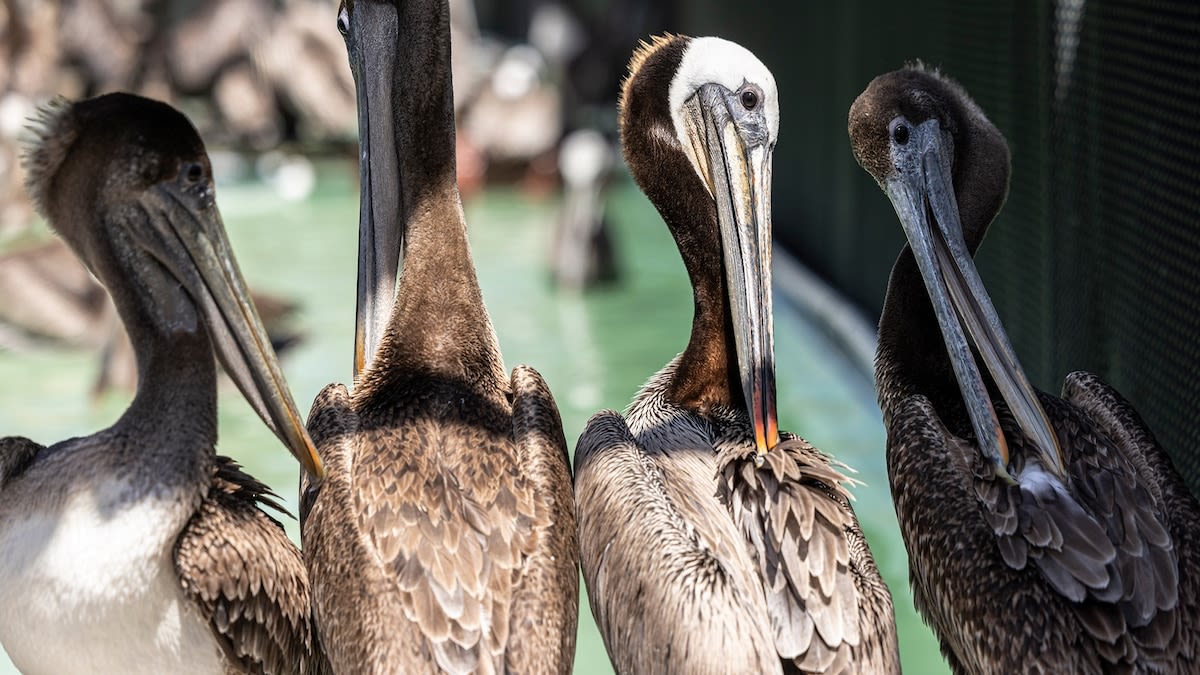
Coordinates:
[707,373]
[439,324]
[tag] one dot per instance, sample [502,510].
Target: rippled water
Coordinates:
[594,350]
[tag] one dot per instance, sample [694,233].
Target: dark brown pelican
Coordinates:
[1044,534]
[138,549]
[710,542]
[443,537]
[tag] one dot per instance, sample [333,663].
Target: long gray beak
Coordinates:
[188,239]
[735,154]
[922,193]
[371,44]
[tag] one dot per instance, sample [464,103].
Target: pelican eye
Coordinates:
[900,134]
[193,172]
[749,99]
[343,22]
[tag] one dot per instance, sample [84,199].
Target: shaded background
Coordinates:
[1092,264]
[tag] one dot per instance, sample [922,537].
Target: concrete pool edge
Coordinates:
[845,324]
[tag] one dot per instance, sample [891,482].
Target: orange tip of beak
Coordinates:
[1003,443]
[766,438]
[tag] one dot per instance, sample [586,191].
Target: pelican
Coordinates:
[138,549]
[583,254]
[1044,534]
[711,542]
[442,538]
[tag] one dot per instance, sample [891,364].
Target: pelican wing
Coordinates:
[423,536]
[16,453]
[668,576]
[452,519]
[354,600]
[1100,541]
[1116,419]
[247,579]
[545,611]
[1158,585]
[332,425]
[1101,536]
[795,514]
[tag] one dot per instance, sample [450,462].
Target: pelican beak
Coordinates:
[731,147]
[187,237]
[371,43]
[922,192]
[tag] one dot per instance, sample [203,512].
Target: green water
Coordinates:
[594,350]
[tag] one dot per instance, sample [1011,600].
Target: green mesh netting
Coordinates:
[1094,263]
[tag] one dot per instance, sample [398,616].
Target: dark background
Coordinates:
[1094,263]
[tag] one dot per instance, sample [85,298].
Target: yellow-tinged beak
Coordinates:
[732,149]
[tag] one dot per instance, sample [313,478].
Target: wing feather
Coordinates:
[248,580]
[1171,571]
[542,620]
[442,502]
[470,519]
[795,513]
[1106,541]
[650,555]
[1101,535]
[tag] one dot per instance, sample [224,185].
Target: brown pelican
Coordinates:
[583,254]
[710,542]
[443,536]
[1044,534]
[138,549]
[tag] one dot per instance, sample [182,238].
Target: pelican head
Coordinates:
[921,137]
[127,184]
[722,113]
